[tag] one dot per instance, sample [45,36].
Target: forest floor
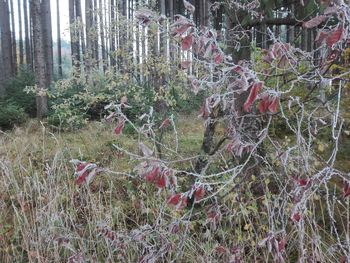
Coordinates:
[40,204]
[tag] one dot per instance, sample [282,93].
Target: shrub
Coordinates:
[11,115]
[14,90]
[77,100]
[67,117]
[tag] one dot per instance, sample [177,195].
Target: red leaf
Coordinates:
[238,69]
[174,199]
[81,166]
[189,6]
[120,126]
[178,200]
[273,105]
[303,182]
[296,217]
[85,172]
[314,22]
[218,58]
[346,189]
[264,103]
[335,36]
[281,245]
[199,193]
[152,174]
[252,95]
[161,181]
[81,178]
[187,42]
[165,124]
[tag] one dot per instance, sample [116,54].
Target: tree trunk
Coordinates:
[20,32]
[122,34]
[243,53]
[89,42]
[14,45]
[6,42]
[171,41]
[95,32]
[74,41]
[80,28]
[102,36]
[31,37]
[39,58]
[206,12]
[28,53]
[163,40]
[5,46]
[218,15]
[59,49]
[106,31]
[112,33]
[46,27]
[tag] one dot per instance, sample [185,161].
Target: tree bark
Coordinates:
[39,58]
[112,33]
[20,32]
[46,27]
[102,36]
[89,42]
[74,40]
[163,40]
[28,52]
[95,32]
[14,44]
[80,28]
[208,144]
[59,48]
[6,42]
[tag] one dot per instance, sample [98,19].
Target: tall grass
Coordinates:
[46,217]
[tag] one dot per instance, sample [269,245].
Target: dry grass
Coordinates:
[41,206]
[46,217]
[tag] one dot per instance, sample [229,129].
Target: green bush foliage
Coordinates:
[74,101]
[11,115]
[15,93]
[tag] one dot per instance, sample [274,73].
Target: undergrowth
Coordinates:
[46,217]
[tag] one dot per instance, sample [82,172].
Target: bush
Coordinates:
[15,93]
[11,115]
[66,117]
